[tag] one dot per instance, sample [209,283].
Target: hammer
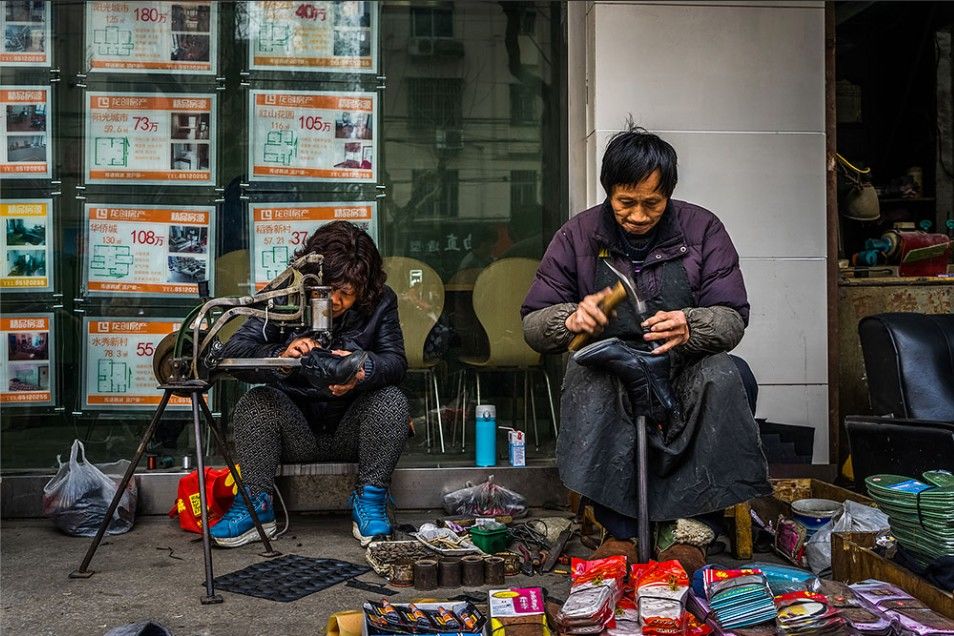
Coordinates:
[624,288]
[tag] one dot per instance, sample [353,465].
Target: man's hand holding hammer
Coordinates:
[670,327]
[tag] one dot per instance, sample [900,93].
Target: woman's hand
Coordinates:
[669,326]
[588,317]
[298,348]
[338,390]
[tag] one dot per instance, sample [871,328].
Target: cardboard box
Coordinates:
[369,630]
[853,560]
[518,611]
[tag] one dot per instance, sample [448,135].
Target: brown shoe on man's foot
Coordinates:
[691,557]
[612,546]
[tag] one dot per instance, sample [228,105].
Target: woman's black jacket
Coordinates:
[379,334]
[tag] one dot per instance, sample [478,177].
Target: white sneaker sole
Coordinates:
[248,537]
[363,540]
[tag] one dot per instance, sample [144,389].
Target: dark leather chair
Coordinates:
[909,363]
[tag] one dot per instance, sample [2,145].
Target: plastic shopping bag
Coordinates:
[855,517]
[486,499]
[76,498]
[220,490]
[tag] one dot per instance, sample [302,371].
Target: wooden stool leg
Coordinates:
[742,548]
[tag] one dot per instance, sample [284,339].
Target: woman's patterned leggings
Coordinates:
[270,429]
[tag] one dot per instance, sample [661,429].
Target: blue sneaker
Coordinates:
[236,527]
[369,513]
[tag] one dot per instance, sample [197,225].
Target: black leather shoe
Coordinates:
[645,376]
[323,368]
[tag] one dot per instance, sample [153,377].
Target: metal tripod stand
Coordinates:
[196,389]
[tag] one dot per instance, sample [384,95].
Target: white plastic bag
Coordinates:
[76,498]
[487,500]
[855,517]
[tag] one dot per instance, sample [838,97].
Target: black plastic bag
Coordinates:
[76,498]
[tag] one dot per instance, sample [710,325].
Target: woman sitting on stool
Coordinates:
[334,407]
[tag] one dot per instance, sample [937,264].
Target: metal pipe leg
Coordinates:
[477,375]
[642,491]
[463,420]
[437,401]
[427,411]
[210,596]
[533,412]
[460,406]
[239,482]
[546,376]
[83,572]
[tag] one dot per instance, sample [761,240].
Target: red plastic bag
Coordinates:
[220,490]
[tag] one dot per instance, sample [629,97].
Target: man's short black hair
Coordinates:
[633,155]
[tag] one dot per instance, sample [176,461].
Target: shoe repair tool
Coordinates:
[402,574]
[558,547]
[448,572]
[425,575]
[370,587]
[526,559]
[472,570]
[624,288]
[187,362]
[493,571]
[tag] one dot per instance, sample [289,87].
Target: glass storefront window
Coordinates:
[150,144]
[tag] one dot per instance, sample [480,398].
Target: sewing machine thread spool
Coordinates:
[425,574]
[448,572]
[402,573]
[493,571]
[473,570]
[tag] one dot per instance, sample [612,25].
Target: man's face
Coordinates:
[638,208]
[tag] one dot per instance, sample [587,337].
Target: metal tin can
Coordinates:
[151,462]
[186,462]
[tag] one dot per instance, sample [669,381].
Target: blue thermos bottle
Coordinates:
[486,435]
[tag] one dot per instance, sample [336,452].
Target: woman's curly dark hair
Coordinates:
[350,258]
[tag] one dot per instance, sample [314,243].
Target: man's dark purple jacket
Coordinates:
[567,272]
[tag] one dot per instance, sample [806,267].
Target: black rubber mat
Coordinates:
[289,577]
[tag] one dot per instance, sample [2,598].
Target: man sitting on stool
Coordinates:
[704,453]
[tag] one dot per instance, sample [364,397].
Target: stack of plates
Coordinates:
[921,513]
[738,598]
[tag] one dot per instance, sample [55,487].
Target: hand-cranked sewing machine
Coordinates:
[189,361]
[294,299]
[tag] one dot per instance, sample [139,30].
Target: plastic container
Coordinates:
[490,540]
[486,435]
[814,513]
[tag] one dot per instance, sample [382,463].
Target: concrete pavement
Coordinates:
[138,578]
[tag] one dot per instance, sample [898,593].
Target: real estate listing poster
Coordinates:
[327,37]
[312,136]
[150,139]
[28,354]
[148,250]
[25,123]
[25,25]
[280,229]
[27,245]
[152,37]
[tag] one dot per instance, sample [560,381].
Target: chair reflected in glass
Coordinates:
[499,291]
[420,295]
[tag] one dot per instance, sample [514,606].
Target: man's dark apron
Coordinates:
[706,458]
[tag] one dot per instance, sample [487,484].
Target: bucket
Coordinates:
[814,513]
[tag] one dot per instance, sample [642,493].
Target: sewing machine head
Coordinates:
[296,298]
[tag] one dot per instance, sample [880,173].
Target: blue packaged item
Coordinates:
[785,578]
[486,433]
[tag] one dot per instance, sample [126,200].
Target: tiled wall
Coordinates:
[738,89]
